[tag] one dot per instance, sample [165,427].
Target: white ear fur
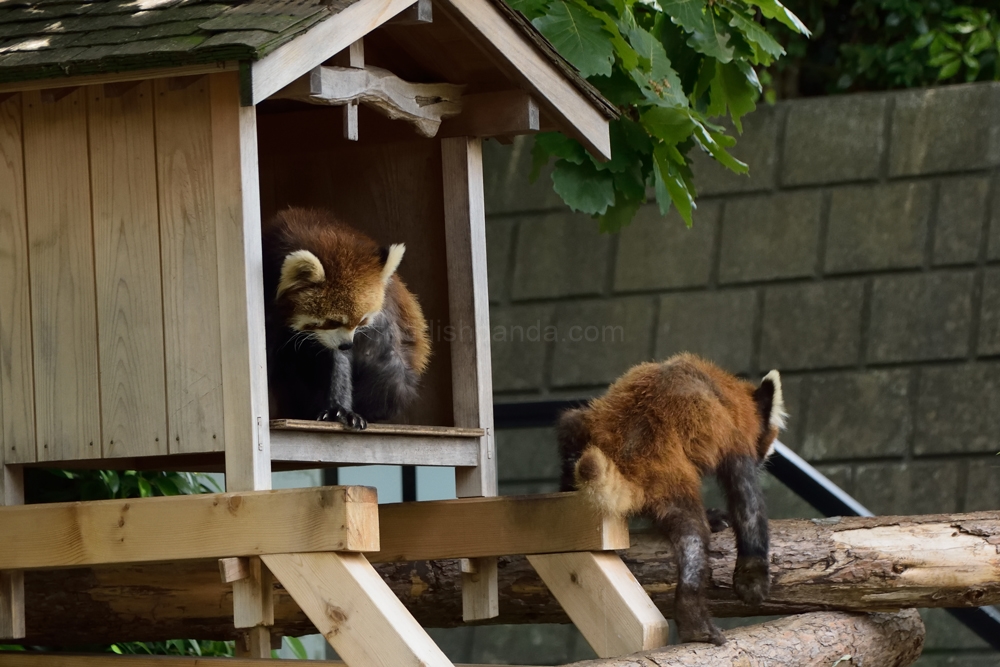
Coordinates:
[778,414]
[392,261]
[300,267]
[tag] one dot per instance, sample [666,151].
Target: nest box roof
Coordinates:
[43,39]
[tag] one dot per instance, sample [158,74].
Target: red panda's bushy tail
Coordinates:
[771,409]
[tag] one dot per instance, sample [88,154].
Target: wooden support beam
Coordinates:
[290,61]
[355,610]
[330,443]
[11,581]
[34,659]
[113,77]
[233,569]
[604,600]
[341,518]
[417,14]
[499,526]
[354,58]
[499,114]
[254,643]
[424,105]
[523,63]
[917,561]
[253,597]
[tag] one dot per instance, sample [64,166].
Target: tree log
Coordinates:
[850,564]
[821,638]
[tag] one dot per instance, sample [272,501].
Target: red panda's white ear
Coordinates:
[299,269]
[393,257]
[778,414]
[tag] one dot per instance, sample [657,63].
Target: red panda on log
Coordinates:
[346,340]
[643,447]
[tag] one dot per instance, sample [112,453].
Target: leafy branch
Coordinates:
[669,66]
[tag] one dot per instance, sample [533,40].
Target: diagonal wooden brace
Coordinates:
[604,600]
[355,609]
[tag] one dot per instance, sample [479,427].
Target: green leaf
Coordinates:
[561,146]
[530,8]
[756,33]
[167,486]
[713,39]
[979,42]
[618,216]
[738,92]
[671,125]
[145,488]
[298,650]
[943,58]
[688,14]
[923,41]
[583,188]
[658,82]
[773,9]
[715,143]
[670,186]
[629,58]
[579,37]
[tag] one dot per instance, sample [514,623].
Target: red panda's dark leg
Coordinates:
[684,525]
[738,478]
[573,436]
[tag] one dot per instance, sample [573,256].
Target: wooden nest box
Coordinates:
[141,145]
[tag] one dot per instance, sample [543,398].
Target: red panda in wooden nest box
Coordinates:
[643,447]
[346,340]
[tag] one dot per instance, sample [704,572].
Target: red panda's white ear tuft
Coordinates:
[778,413]
[299,269]
[392,259]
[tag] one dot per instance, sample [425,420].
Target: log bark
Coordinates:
[850,564]
[821,638]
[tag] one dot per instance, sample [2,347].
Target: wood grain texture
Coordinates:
[477,527]
[511,51]
[253,596]
[17,409]
[64,311]
[204,526]
[500,113]
[192,328]
[186,599]
[12,618]
[241,290]
[604,600]
[468,298]
[127,263]
[355,610]
[115,77]
[375,449]
[821,638]
[293,59]
[376,429]
[480,593]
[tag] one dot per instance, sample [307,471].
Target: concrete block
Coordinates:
[770,236]
[717,325]
[560,254]
[600,340]
[505,179]
[757,147]
[814,325]
[920,317]
[499,239]
[961,209]
[520,338]
[958,409]
[993,250]
[545,644]
[945,128]
[858,415]
[982,493]
[877,227]
[663,253]
[989,317]
[832,139]
[527,455]
[922,487]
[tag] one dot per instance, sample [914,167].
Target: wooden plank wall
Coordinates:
[110,337]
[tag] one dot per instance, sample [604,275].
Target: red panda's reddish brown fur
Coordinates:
[643,448]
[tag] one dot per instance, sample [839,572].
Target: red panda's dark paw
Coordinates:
[703,632]
[348,418]
[718,520]
[751,580]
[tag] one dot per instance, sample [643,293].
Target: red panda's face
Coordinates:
[331,308]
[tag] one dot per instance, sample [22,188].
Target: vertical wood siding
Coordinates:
[127,254]
[17,413]
[61,255]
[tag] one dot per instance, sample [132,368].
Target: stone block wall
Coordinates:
[861,258]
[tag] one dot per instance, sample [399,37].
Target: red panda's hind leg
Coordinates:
[684,524]
[573,436]
[738,478]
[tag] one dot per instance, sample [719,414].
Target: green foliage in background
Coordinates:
[669,66]
[864,45]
